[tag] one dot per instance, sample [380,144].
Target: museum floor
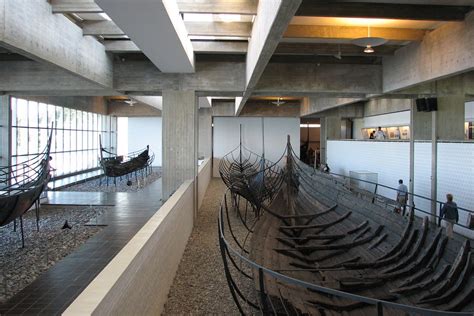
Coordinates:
[54,290]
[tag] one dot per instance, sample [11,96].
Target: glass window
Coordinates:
[75,140]
[42,115]
[32,114]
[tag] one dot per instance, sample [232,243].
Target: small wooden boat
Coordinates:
[118,166]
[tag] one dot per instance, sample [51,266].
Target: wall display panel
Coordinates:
[75,145]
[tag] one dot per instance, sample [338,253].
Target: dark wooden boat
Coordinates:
[21,186]
[321,248]
[118,166]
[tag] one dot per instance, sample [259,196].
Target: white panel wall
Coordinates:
[469,113]
[226,136]
[144,131]
[390,160]
[456,175]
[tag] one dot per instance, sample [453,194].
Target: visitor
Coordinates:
[449,212]
[402,194]
[379,134]
[372,135]
[49,169]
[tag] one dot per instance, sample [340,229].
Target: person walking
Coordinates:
[449,212]
[402,194]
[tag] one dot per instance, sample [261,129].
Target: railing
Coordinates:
[248,280]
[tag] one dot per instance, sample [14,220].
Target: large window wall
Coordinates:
[75,144]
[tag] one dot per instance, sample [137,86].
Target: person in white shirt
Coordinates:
[402,195]
[379,134]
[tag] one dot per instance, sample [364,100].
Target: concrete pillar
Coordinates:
[180,139]
[5,130]
[450,117]
[205,132]
[421,125]
[330,129]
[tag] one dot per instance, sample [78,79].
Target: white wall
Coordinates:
[469,112]
[143,131]
[226,136]
[390,160]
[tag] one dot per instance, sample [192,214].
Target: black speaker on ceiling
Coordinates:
[426,104]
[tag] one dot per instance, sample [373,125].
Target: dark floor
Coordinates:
[53,291]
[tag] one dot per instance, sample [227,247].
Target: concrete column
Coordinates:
[5,130]
[205,132]
[411,184]
[180,138]
[434,164]
[421,125]
[330,129]
[450,117]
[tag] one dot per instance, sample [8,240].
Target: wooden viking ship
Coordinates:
[21,186]
[117,166]
[321,247]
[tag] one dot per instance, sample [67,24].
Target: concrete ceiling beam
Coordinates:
[270,23]
[444,52]
[98,28]
[75,6]
[383,10]
[122,46]
[241,29]
[306,79]
[245,7]
[54,40]
[324,49]
[351,32]
[313,105]
[209,79]
[149,24]
[222,47]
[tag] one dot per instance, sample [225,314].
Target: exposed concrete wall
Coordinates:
[138,110]
[447,50]
[346,111]
[422,125]
[450,118]
[88,104]
[204,178]
[384,106]
[30,28]
[138,279]
[205,133]
[223,108]
[5,130]
[180,138]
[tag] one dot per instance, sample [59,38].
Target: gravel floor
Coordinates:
[200,286]
[20,267]
[96,185]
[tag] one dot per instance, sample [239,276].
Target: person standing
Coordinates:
[402,195]
[449,212]
[379,134]
[372,135]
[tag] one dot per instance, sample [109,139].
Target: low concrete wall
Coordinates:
[204,177]
[138,279]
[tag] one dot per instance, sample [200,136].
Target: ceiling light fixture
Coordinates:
[279,102]
[369,42]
